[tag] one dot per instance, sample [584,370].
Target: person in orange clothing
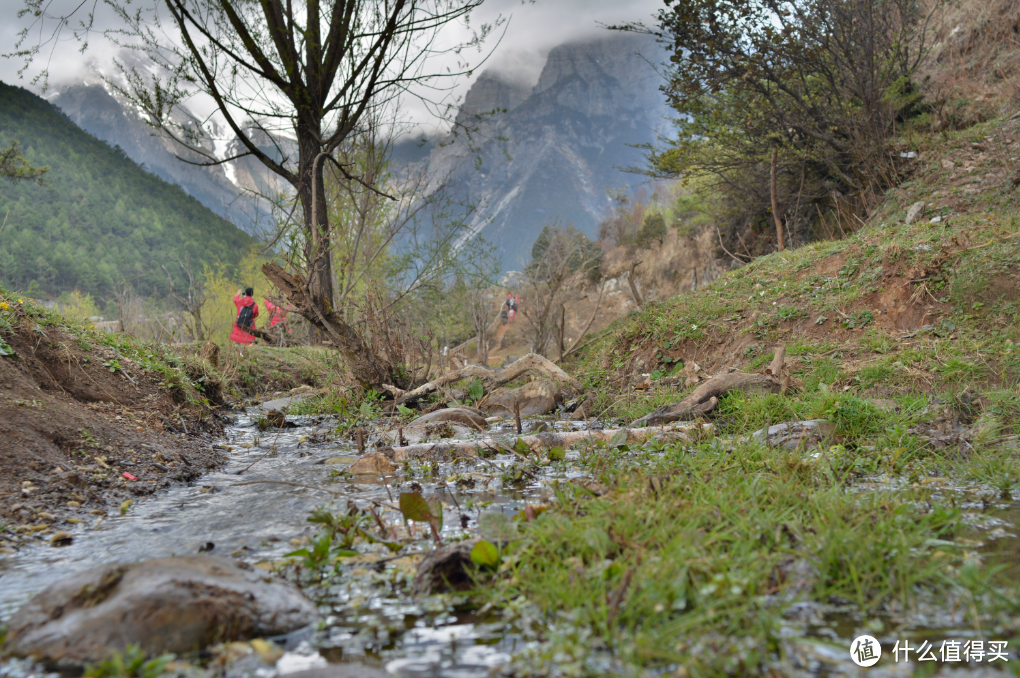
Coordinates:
[247,311]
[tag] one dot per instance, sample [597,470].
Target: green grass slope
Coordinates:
[892,310]
[100,219]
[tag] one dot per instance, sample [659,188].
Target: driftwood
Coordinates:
[490,378]
[545,440]
[705,398]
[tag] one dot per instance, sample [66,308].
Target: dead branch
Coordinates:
[633,287]
[365,365]
[545,440]
[602,288]
[705,398]
[492,378]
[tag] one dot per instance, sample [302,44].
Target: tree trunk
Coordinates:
[365,366]
[317,241]
[563,321]
[775,202]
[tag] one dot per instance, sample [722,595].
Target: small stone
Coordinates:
[374,463]
[915,212]
[948,165]
[935,220]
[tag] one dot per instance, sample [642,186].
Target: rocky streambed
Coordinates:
[255,510]
[361,609]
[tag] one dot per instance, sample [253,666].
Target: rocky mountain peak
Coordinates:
[492,91]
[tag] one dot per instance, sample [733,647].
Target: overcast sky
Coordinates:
[532,30]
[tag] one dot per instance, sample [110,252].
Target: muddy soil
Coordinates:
[81,438]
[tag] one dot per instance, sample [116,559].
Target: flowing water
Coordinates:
[257,521]
[368,617]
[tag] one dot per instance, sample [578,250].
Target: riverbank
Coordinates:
[93,420]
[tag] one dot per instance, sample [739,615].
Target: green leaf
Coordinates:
[619,438]
[345,553]
[522,448]
[300,553]
[495,526]
[436,508]
[475,390]
[485,554]
[557,453]
[414,507]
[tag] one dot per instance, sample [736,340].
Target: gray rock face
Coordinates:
[179,604]
[565,141]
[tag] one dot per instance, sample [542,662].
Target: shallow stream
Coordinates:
[370,619]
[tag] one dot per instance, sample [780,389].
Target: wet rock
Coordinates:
[373,463]
[181,604]
[445,568]
[915,212]
[796,434]
[342,671]
[420,432]
[466,416]
[537,397]
[294,396]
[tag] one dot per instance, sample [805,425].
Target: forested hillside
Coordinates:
[100,219]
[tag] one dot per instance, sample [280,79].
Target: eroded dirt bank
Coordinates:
[88,421]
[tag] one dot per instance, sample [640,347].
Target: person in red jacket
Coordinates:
[247,311]
[277,314]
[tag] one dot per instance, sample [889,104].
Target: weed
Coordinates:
[132,663]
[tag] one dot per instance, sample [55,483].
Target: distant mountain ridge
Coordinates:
[90,106]
[100,219]
[560,145]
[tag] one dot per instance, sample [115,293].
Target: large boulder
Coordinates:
[536,397]
[180,604]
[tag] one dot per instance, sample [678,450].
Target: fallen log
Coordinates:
[546,440]
[705,398]
[490,378]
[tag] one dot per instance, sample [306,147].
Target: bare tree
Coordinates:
[558,254]
[314,71]
[193,301]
